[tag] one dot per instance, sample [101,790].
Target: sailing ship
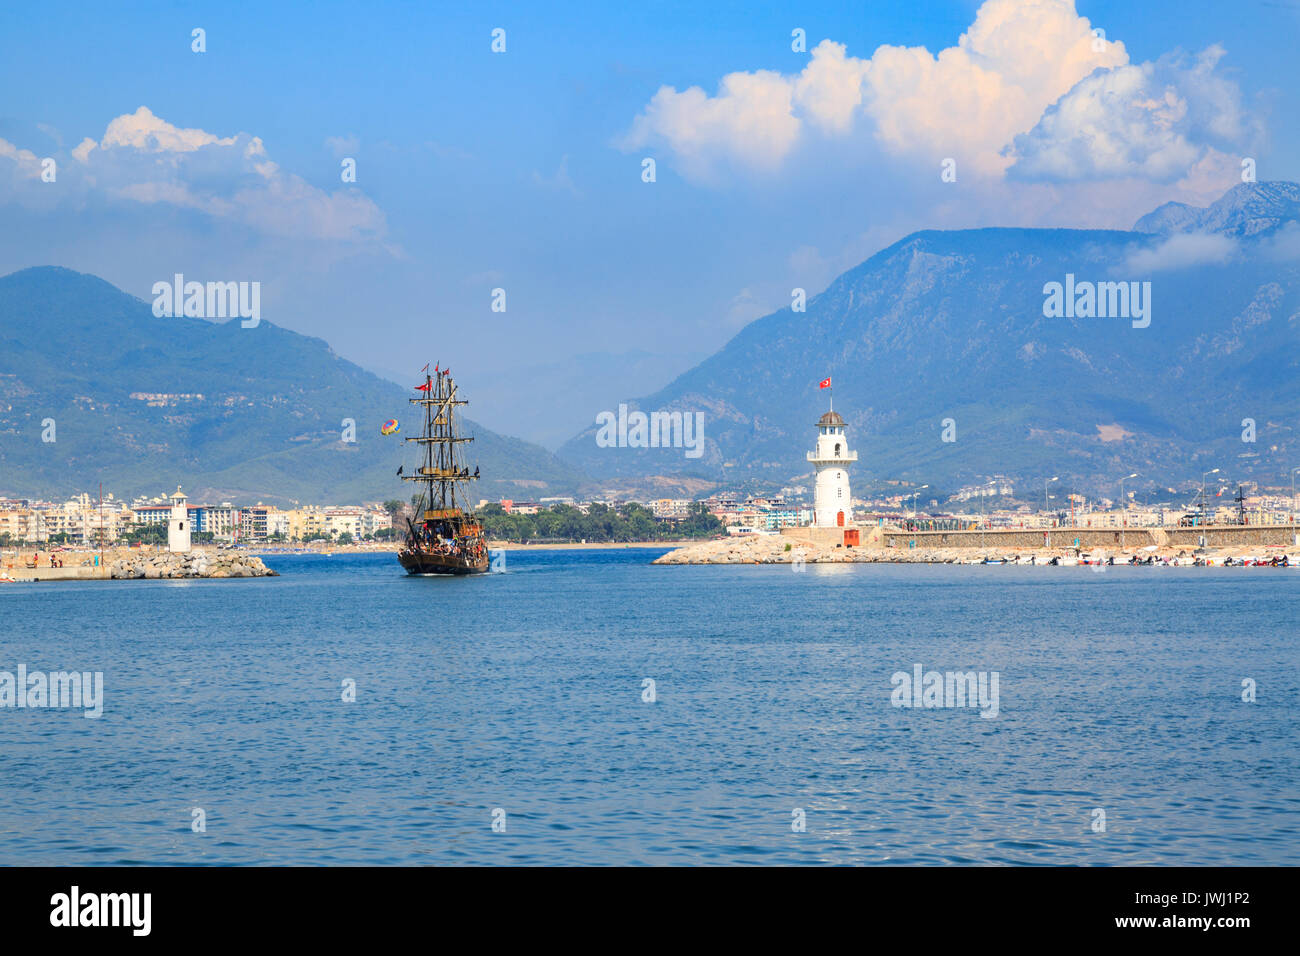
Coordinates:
[446,537]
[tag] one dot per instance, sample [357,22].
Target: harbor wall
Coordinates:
[79,573]
[1217,536]
[130,563]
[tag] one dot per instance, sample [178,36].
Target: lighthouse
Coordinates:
[178,524]
[832,506]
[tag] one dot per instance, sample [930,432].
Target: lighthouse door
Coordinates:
[839,518]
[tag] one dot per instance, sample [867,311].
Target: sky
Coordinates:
[523,170]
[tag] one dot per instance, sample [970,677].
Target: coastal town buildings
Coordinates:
[83,521]
[671,507]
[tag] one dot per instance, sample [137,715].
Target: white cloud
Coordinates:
[829,90]
[20,176]
[144,131]
[967,101]
[25,162]
[1027,92]
[751,119]
[1181,251]
[1284,245]
[143,159]
[1155,121]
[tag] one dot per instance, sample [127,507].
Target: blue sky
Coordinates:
[522,170]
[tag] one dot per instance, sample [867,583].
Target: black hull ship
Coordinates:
[446,537]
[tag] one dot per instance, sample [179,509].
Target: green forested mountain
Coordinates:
[248,414]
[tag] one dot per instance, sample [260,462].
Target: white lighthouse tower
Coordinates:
[832,506]
[178,523]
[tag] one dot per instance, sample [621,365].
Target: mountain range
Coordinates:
[947,363]
[144,403]
[945,335]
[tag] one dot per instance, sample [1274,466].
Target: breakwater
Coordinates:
[798,546]
[1217,536]
[195,564]
[144,565]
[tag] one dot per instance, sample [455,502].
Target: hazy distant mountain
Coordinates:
[255,414]
[1246,210]
[951,325]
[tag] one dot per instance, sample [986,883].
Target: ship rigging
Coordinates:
[445,537]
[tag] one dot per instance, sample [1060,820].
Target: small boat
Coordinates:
[447,538]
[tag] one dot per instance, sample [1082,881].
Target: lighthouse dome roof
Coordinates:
[830,418]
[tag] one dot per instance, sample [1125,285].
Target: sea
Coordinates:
[585,707]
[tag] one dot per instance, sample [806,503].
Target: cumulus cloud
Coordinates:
[144,159]
[968,101]
[751,119]
[1155,121]
[23,163]
[1029,92]
[21,175]
[144,131]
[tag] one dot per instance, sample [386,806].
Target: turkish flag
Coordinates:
[825,383]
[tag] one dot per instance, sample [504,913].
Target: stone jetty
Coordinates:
[789,548]
[193,564]
[131,563]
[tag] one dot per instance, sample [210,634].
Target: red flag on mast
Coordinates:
[424,388]
[825,383]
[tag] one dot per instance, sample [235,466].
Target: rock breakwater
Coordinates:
[194,564]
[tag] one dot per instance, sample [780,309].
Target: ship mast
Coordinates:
[441,465]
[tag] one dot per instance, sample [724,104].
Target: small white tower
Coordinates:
[832,506]
[178,524]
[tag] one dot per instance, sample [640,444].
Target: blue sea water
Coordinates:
[1119,690]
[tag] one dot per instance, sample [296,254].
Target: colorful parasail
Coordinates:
[390,426]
